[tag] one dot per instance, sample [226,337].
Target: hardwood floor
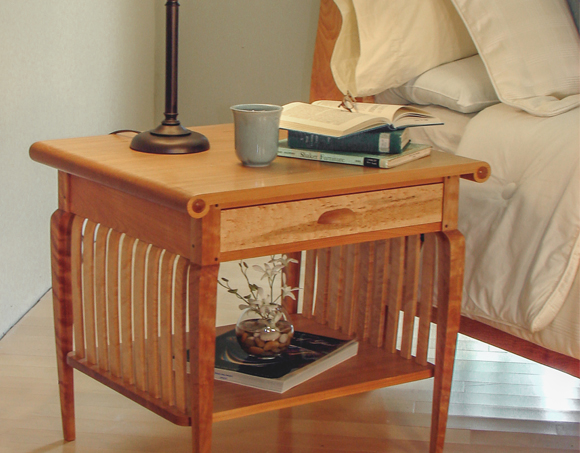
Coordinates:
[500,403]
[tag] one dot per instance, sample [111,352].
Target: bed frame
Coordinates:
[323,87]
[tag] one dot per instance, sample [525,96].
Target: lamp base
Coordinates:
[170,139]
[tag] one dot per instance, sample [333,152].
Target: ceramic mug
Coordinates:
[256,133]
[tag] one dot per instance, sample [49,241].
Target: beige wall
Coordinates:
[86,67]
[67,68]
[234,52]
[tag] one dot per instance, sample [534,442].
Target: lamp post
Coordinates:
[170,137]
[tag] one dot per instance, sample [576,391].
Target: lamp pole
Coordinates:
[170,137]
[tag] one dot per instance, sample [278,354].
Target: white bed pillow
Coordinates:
[383,44]
[531,50]
[462,86]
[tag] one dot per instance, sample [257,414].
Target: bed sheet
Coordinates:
[522,226]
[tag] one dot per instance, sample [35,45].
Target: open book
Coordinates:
[328,118]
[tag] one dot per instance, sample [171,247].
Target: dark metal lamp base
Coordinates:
[173,139]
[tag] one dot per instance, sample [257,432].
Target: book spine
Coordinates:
[365,142]
[404,159]
[329,157]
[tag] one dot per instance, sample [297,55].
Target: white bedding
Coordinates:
[522,226]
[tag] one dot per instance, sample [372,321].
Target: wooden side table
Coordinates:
[138,238]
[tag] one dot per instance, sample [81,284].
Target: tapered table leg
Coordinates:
[202,314]
[61,225]
[451,255]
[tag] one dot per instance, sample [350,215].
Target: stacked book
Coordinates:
[375,135]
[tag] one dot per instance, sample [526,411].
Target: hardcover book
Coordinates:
[376,141]
[329,118]
[307,356]
[412,152]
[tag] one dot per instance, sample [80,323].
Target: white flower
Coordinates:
[283,261]
[287,290]
[269,272]
[259,300]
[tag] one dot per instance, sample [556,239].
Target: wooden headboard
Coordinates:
[322,84]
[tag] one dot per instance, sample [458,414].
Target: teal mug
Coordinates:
[256,133]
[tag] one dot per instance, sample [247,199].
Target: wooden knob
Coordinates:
[342,216]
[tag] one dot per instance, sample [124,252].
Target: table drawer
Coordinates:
[318,218]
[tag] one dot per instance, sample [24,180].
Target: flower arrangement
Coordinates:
[264,329]
[258,300]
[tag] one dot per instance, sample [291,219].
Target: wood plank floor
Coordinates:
[500,403]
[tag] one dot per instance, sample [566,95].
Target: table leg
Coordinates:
[202,314]
[451,253]
[61,226]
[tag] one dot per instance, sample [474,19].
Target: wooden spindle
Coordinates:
[166,328]
[351,288]
[88,292]
[365,290]
[378,315]
[395,292]
[335,288]
[101,296]
[153,377]
[113,303]
[126,292]
[76,285]
[180,338]
[411,282]
[426,297]
[309,283]
[139,278]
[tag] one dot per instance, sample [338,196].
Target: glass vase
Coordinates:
[264,333]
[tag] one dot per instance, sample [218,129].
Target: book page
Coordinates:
[390,112]
[387,111]
[322,119]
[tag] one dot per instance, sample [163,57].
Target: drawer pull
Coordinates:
[342,216]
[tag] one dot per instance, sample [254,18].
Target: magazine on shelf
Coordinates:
[307,356]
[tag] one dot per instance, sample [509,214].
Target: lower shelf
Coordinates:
[370,369]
